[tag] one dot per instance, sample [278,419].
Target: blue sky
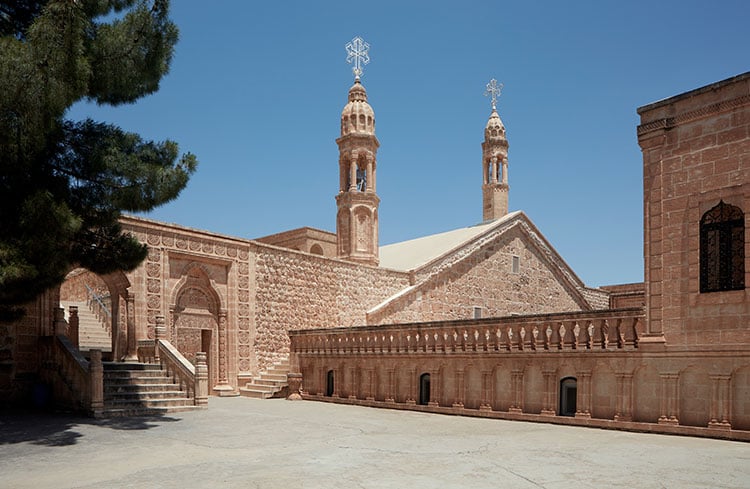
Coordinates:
[256,90]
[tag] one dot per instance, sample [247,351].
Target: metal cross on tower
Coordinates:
[493,91]
[356,51]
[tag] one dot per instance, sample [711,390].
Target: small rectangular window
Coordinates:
[477,312]
[516,264]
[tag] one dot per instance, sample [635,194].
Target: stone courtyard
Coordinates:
[248,443]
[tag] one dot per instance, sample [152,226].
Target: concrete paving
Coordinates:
[248,443]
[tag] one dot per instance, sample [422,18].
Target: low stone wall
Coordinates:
[525,367]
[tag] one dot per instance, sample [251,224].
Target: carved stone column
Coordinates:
[390,395]
[223,388]
[413,380]
[516,377]
[353,173]
[295,386]
[201,379]
[720,400]
[550,387]
[96,370]
[73,332]
[583,403]
[159,333]
[668,398]
[131,354]
[486,404]
[370,384]
[61,327]
[353,383]
[624,409]
[459,394]
[435,390]
[368,181]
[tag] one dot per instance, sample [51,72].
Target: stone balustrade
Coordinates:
[193,379]
[78,383]
[608,330]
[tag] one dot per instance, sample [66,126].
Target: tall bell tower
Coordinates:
[494,161]
[357,201]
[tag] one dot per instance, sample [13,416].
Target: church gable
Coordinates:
[510,271]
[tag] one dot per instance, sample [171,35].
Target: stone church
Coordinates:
[483,320]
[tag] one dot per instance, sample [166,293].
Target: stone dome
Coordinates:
[357,116]
[495,128]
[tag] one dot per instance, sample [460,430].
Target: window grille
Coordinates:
[722,249]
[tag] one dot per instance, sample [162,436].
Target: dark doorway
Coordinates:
[206,348]
[329,383]
[568,391]
[424,389]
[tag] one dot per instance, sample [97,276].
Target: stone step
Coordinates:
[279,377]
[122,381]
[139,396]
[112,366]
[115,388]
[255,393]
[148,403]
[267,382]
[134,411]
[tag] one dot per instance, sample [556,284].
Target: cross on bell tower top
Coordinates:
[493,91]
[357,54]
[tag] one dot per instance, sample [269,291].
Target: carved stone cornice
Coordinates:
[666,123]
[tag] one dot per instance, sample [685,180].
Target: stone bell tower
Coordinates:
[494,162]
[357,202]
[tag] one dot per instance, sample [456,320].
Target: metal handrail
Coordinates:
[93,296]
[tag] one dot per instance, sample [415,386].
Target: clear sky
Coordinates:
[256,91]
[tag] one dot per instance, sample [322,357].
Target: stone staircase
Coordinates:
[271,383]
[141,389]
[92,333]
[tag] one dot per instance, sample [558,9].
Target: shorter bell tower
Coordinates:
[494,161]
[357,201]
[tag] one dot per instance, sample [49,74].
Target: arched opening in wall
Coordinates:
[102,310]
[195,320]
[722,249]
[329,383]
[361,178]
[316,249]
[424,389]
[568,393]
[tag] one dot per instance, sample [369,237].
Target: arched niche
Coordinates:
[194,324]
[103,297]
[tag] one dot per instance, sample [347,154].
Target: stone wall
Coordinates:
[198,281]
[516,368]
[696,153]
[486,280]
[20,382]
[626,295]
[301,291]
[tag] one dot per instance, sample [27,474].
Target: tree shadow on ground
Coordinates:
[59,429]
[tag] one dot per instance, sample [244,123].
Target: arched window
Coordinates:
[722,249]
[568,394]
[330,388]
[424,389]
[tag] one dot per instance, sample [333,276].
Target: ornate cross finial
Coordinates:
[356,51]
[493,91]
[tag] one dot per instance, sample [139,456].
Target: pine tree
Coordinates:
[64,183]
